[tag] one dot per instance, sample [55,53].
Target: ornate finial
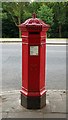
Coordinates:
[34,15]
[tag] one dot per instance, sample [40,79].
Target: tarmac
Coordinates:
[10,106]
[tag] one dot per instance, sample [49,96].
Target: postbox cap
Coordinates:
[34,24]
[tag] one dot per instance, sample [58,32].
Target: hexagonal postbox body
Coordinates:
[33,93]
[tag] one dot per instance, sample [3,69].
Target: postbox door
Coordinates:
[34,68]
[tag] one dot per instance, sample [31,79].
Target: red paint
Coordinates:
[33,66]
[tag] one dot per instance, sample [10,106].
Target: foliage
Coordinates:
[46,14]
[10,31]
[14,11]
[53,13]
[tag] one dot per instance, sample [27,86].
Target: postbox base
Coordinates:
[32,102]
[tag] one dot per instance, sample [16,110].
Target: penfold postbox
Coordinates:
[33,92]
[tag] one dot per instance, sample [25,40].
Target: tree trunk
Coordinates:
[60,31]
[19,33]
[19,21]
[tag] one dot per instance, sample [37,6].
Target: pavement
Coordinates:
[10,106]
[54,41]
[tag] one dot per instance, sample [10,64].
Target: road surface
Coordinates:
[11,66]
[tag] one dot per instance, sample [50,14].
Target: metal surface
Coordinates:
[33,66]
[33,58]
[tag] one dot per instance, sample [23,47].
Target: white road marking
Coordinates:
[55,45]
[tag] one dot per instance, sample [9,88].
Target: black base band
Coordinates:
[32,102]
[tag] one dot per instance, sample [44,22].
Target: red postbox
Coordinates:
[33,93]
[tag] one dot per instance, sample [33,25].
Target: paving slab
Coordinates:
[55,106]
[0,116]
[25,115]
[56,115]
